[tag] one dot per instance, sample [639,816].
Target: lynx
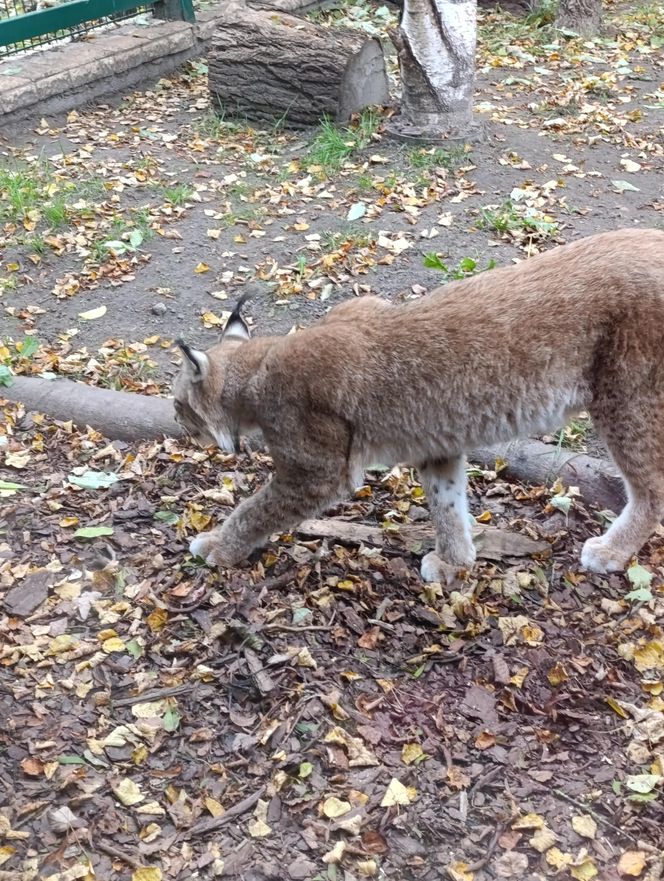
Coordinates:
[511,352]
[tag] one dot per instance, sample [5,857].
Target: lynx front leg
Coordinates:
[444,482]
[278,506]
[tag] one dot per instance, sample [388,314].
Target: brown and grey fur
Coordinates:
[508,353]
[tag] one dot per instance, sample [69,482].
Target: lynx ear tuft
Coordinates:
[195,361]
[236,327]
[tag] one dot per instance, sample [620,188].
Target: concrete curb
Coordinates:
[71,74]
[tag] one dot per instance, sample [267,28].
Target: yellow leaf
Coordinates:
[147,873]
[6,853]
[333,807]
[202,267]
[532,634]
[114,644]
[397,794]
[211,320]
[529,821]
[259,829]
[459,872]
[484,517]
[543,839]
[91,314]
[585,871]
[214,807]
[584,826]
[62,643]
[632,863]
[520,677]
[139,755]
[411,752]
[149,710]
[649,656]
[199,521]
[335,855]
[367,868]
[127,792]
[557,675]
[615,706]
[558,859]
[157,619]
[358,754]
[68,521]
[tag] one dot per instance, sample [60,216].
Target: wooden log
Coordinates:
[491,542]
[538,464]
[270,66]
[117,415]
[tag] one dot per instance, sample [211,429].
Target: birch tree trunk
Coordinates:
[436,47]
[584,17]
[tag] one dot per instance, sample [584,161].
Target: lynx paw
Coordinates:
[599,557]
[435,569]
[206,545]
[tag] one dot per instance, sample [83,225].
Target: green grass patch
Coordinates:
[178,194]
[332,146]
[436,157]
[465,268]
[574,435]
[508,218]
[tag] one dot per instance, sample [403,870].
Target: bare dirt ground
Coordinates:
[319,714]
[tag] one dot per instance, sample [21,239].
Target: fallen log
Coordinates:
[539,464]
[129,416]
[270,66]
[117,415]
[491,543]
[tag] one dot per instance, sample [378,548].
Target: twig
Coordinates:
[479,864]
[237,810]
[600,819]
[153,695]
[117,854]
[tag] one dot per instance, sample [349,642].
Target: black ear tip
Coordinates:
[237,311]
[180,343]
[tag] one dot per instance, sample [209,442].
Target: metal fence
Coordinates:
[27,24]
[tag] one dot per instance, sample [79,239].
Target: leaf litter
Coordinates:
[320,713]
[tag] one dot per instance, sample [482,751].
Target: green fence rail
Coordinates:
[24,28]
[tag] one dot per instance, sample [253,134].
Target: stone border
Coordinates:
[72,74]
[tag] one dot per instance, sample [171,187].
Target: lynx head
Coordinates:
[198,388]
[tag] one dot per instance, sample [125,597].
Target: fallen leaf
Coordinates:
[632,863]
[333,807]
[127,792]
[146,873]
[398,794]
[543,839]
[411,752]
[584,825]
[91,314]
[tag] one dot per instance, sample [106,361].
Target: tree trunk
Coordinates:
[270,66]
[584,17]
[436,47]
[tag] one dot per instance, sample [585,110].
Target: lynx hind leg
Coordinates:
[444,482]
[640,459]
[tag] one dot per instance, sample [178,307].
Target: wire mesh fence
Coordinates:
[30,24]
